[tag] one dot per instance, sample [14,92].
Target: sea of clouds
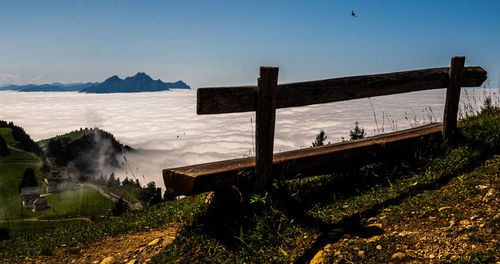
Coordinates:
[167,132]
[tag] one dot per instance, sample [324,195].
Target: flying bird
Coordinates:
[353,14]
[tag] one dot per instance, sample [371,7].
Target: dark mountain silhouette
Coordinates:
[141,82]
[55,87]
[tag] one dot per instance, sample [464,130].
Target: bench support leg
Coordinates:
[267,91]
[453,97]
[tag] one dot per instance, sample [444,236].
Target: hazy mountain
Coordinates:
[55,87]
[141,82]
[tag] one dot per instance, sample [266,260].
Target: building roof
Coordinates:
[57,175]
[31,190]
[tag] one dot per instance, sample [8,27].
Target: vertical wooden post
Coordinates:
[267,90]
[453,96]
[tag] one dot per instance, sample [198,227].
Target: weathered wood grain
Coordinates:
[308,161]
[453,96]
[265,117]
[220,100]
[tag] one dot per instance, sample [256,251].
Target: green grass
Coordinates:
[6,133]
[20,229]
[84,201]
[71,135]
[44,241]
[10,199]
[129,192]
[12,168]
[19,157]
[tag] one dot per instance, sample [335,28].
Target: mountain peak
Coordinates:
[141,82]
[142,75]
[113,78]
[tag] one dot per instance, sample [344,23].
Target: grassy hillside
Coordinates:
[440,206]
[10,178]
[71,135]
[79,202]
[83,201]
[6,133]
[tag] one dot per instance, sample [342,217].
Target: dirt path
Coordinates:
[457,222]
[122,248]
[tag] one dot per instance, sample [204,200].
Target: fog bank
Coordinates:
[164,127]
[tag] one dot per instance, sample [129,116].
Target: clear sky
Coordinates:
[208,43]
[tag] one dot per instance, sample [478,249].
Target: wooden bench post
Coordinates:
[453,96]
[267,91]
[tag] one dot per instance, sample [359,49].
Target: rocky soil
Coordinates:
[129,248]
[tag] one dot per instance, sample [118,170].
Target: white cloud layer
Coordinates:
[165,129]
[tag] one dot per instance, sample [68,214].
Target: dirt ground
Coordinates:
[132,247]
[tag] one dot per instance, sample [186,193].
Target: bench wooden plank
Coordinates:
[200,178]
[220,100]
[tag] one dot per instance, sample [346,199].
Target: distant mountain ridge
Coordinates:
[55,87]
[141,82]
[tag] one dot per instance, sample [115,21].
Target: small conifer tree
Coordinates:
[320,139]
[357,133]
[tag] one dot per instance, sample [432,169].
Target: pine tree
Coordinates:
[358,132]
[29,179]
[320,139]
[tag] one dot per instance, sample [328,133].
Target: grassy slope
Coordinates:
[84,201]
[10,178]
[458,223]
[129,192]
[12,168]
[6,133]
[44,240]
[290,230]
[71,135]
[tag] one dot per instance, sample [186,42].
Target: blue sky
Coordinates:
[207,43]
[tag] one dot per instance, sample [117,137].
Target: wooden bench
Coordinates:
[268,95]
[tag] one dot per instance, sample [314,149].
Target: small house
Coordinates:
[29,195]
[58,181]
[40,204]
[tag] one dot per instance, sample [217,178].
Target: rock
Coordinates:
[375,225]
[328,247]
[379,247]
[481,187]
[431,256]
[486,197]
[132,261]
[464,222]
[444,208]
[154,242]
[361,254]
[108,260]
[398,256]
[373,238]
[318,258]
